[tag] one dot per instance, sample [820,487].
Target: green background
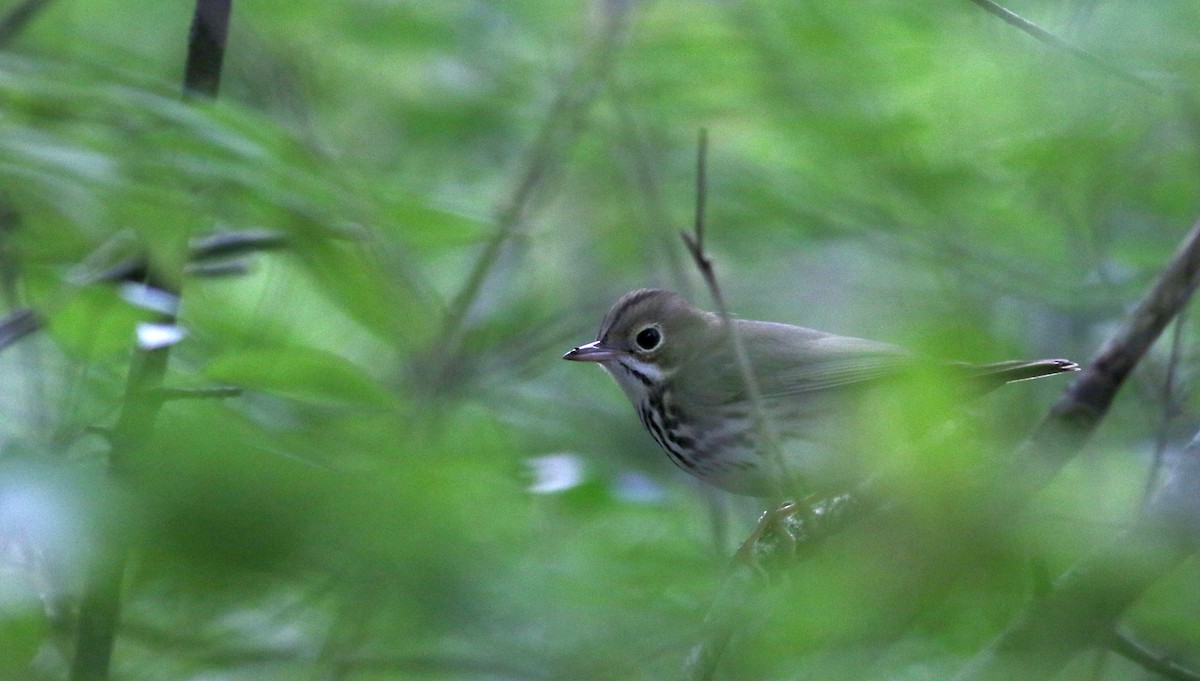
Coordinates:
[465,188]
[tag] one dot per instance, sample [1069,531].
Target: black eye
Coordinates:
[648,338]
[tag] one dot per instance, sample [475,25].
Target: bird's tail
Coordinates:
[999,373]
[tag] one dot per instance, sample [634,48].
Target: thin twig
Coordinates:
[560,127]
[725,612]
[217,393]
[1124,644]
[697,246]
[768,438]
[1048,38]
[17,324]
[740,582]
[218,270]
[240,242]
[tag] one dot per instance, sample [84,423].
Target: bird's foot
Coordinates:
[783,531]
[774,539]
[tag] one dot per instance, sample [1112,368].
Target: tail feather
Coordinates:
[999,373]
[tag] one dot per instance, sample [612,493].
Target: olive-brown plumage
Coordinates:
[820,390]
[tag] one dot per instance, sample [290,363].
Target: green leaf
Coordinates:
[96,323]
[304,374]
[23,624]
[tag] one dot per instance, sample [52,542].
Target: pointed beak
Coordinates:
[592,352]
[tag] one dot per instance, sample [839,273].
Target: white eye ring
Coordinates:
[649,338]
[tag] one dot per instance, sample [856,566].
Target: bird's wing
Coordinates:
[791,360]
[830,362]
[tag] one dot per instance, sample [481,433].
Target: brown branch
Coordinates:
[1084,605]
[1137,560]
[1080,409]
[1080,610]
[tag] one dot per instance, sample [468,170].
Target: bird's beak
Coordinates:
[592,352]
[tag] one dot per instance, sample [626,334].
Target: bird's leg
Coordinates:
[782,531]
[774,537]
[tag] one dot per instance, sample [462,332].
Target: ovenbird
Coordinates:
[820,391]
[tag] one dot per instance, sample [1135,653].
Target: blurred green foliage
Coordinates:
[921,173]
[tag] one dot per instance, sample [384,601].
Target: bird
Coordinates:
[827,396]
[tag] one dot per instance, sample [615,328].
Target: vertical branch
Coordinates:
[701,202]
[739,584]
[100,608]
[206,47]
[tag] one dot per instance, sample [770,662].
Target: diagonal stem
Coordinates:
[560,128]
[17,18]
[1077,413]
[1042,35]
[1085,604]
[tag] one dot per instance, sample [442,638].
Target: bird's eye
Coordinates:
[649,338]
